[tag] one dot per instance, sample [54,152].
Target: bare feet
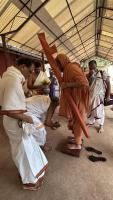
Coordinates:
[33,187]
[71,151]
[100,129]
[46,147]
[74,146]
[53,125]
[71,140]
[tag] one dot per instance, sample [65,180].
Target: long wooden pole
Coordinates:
[48,52]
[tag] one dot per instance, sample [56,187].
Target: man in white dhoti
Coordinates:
[99,92]
[25,141]
[39,84]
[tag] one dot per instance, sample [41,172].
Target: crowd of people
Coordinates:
[28,102]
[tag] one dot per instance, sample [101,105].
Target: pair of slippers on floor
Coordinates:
[95,158]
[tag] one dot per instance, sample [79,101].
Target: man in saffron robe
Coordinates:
[75,82]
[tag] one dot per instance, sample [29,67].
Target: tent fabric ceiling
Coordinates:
[81,29]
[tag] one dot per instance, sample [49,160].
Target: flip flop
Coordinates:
[93,150]
[96,159]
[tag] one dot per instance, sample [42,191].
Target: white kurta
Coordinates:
[26,153]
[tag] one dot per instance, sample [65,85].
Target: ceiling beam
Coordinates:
[5,7]
[75,34]
[84,52]
[27,20]
[101,12]
[76,26]
[60,36]
[3,42]
[96,26]
[12,20]
[46,26]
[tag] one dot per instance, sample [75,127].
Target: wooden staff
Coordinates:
[48,52]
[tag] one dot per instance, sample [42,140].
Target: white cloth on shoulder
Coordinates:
[40,78]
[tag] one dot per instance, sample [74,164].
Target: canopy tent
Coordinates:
[81,29]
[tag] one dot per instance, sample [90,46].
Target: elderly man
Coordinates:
[26,152]
[99,92]
[75,82]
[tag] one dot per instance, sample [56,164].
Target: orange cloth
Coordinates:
[72,72]
[57,72]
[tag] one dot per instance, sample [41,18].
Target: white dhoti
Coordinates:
[97,94]
[97,113]
[26,153]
